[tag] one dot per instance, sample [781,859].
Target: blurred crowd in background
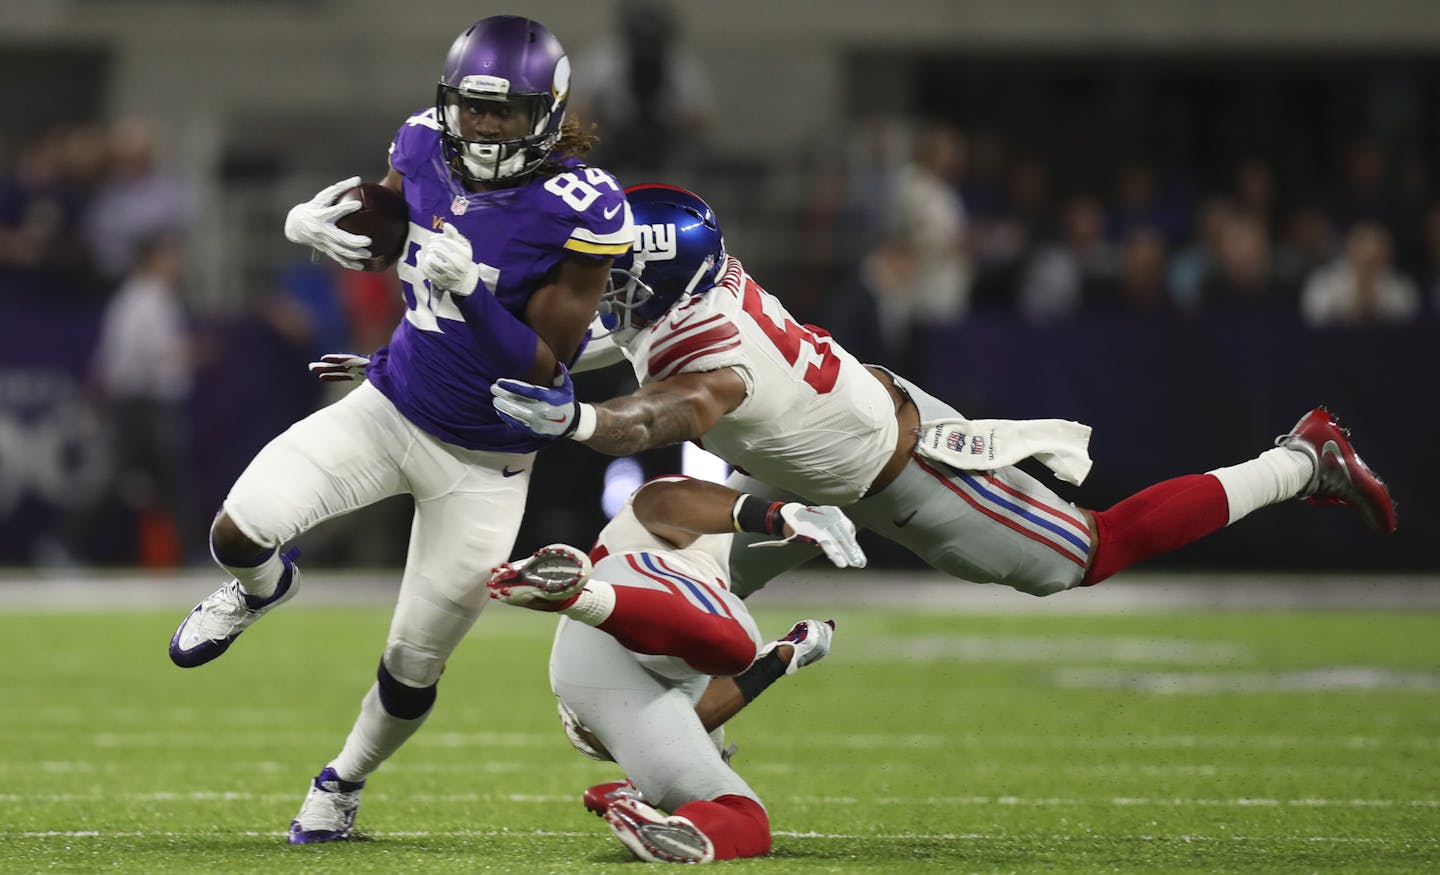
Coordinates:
[910,220]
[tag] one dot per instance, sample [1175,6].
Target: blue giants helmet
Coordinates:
[512,61]
[678,251]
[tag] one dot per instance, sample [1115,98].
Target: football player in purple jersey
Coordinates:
[510,244]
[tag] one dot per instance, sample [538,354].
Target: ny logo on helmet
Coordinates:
[656,241]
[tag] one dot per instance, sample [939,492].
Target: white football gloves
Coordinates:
[811,640]
[541,411]
[543,581]
[340,367]
[825,527]
[313,224]
[448,262]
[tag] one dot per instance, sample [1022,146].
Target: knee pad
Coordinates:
[400,699]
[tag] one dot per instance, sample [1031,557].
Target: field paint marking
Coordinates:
[566,799]
[1357,677]
[926,592]
[949,837]
[1018,648]
[1018,801]
[782,768]
[883,741]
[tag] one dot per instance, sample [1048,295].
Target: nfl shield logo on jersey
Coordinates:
[459,205]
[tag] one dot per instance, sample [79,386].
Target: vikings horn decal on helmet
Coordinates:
[679,251]
[519,65]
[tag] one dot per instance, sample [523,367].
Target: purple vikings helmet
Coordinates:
[513,61]
[678,251]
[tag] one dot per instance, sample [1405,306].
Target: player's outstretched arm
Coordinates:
[658,414]
[681,509]
[667,412]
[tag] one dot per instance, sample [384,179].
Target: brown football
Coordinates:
[383,217]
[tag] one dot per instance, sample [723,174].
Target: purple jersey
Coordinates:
[442,358]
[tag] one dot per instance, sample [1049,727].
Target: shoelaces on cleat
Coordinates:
[221,614]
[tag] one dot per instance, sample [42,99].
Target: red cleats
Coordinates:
[599,797]
[655,838]
[1340,475]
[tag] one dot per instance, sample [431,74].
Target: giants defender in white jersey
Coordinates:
[720,361]
[653,653]
[823,426]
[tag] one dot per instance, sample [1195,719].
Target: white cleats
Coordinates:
[214,624]
[328,813]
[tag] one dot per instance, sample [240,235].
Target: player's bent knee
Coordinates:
[401,699]
[231,546]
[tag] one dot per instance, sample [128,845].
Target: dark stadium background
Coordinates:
[1190,87]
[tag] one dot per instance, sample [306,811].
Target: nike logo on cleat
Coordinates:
[1332,450]
[506,472]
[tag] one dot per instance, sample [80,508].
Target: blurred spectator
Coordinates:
[1362,286]
[307,311]
[42,205]
[1198,260]
[138,199]
[1243,280]
[1307,241]
[1143,288]
[1063,277]
[1139,205]
[142,371]
[1430,271]
[852,312]
[1254,190]
[648,93]
[926,216]
[1002,241]
[1365,193]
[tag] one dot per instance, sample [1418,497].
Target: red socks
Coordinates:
[651,621]
[1156,520]
[737,826]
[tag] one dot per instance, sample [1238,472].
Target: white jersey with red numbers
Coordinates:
[813,422]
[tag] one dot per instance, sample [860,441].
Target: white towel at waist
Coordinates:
[985,444]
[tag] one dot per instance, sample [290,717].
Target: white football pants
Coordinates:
[468,506]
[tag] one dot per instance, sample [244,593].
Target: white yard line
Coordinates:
[28,590]
[598,835]
[946,801]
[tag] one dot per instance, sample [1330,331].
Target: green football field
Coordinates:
[1195,741]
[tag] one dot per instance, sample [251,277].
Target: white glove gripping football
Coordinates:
[340,367]
[448,263]
[811,640]
[544,412]
[544,581]
[827,528]
[313,224]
